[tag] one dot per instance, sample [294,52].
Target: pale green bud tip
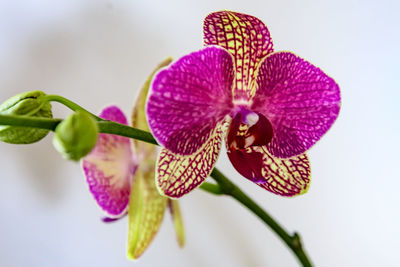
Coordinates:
[33,104]
[76,136]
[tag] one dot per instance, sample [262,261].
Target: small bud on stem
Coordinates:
[76,136]
[31,104]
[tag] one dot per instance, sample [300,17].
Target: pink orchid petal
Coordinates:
[177,175]
[246,38]
[109,168]
[285,177]
[139,119]
[146,206]
[189,98]
[300,101]
[114,113]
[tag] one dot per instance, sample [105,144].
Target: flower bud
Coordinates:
[32,104]
[76,136]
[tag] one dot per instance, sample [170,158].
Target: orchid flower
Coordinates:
[269,107]
[122,181]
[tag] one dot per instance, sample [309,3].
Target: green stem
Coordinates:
[223,186]
[111,127]
[293,241]
[68,103]
[211,188]
[34,122]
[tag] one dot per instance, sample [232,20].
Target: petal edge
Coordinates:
[109,168]
[146,212]
[246,38]
[299,99]
[285,177]
[177,175]
[189,98]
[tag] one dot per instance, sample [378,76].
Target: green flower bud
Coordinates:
[76,136]
[33,104]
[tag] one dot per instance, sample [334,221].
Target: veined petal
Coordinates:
[285,177]
[146,211]
[177,175]
[146,206]
[109,168]
[246,38]
[139,119]
[300,100]
[175,210]
[189,98]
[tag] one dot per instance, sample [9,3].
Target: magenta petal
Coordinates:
[109,168]
[300,100]
[113,113]
[189,98]
[111,220]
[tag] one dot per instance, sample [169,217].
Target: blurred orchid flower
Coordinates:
[270,107]
[122,181]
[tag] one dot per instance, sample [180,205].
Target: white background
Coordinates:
[100,52]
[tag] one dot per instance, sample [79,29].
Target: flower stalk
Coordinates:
[223,187]
[230,189]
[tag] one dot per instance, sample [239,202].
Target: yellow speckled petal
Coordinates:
[178,221]
[146,205]
[177,175]
[246,38]
[139,119]
[139,115]
[285,177]
[146,211]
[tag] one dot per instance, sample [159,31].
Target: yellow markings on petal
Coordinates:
[146,205]
[139,119]
[115,165]
[287,177]
[145,213]
[177,175]
[246,38]
[139,114]
[177,220]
